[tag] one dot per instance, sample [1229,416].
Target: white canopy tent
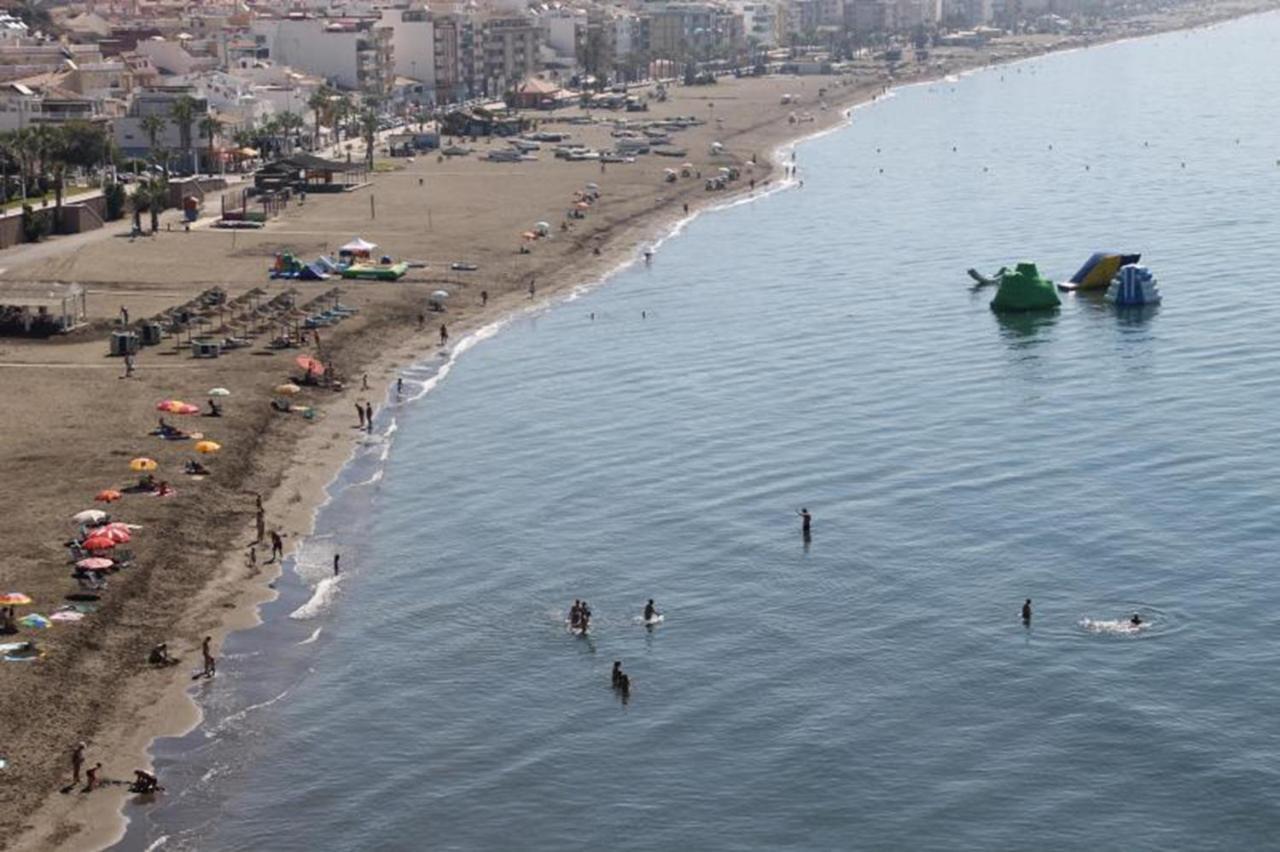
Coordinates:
[28,305]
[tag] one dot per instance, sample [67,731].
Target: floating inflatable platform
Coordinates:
[1098,270]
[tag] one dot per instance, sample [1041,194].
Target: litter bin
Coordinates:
[151,334]
[123,343]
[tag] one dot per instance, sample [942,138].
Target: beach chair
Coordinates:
[90,582]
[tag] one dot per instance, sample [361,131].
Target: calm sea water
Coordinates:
[821,348]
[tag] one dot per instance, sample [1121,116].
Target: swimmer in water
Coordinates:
[806,520]
[617,673]
[650,611]
[1136,621]
[1026,612]
[575,614]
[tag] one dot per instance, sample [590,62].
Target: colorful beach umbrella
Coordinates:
[219,392]
[108,495]
[14,599]
[311,365]
[143,463]
[90,516]
[34,620]
[95,563]
[208,447]
[288,389]
[98,542]
[119,533]
[185,408]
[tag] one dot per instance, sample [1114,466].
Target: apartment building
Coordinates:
[352,53]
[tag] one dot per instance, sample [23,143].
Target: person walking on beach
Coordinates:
[806,520]
[336,558]
[360,414]
[128,365]
[364,382]
[91,778]
[124,315]
[484,298]
[277,547]
[444,334]
[210,664]
[422,321]
[368,416]
[399,386]
[77,762]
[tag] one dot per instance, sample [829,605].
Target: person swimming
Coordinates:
[575,614]
[1136,621]
[585,617]
[617,673]
[650,611]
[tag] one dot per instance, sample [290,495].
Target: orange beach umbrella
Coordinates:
[141,464]
[98,542]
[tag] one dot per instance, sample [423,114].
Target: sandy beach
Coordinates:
[74,423]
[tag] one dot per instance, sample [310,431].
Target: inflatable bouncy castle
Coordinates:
[1132,286]
[1024,289]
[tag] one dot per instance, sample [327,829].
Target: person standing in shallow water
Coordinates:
[1026,612]
[368,416]
[806,521]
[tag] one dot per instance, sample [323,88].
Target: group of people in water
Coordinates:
[580,621]
[579,617]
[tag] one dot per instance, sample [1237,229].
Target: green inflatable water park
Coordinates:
[1024,289]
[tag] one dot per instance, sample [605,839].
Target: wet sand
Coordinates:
[73,425]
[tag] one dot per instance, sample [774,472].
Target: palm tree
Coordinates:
[369,128]
[140,201]
[153,126]
[183,112]
[319,103]
[210,127]
[342,110]
[290,123]
[268,133]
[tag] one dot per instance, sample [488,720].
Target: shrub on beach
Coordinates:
[35,226]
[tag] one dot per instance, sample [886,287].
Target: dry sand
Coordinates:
[72,424]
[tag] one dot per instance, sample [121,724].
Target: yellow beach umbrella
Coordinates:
[141,464]
[288,389]
[208,447]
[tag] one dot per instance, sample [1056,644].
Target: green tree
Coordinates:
[210,127]
[290,123]
[369,129]
[183,112]
[153,126]
[114,195]
[140,202]
[320,104]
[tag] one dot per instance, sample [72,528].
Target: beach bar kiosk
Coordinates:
[42,308]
